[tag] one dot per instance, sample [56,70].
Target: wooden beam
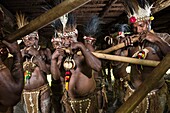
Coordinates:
[93,6]
[121,19]
[167,30]
[117,5]
[84,16]
[159,28]
[90,9]
[146,86]
[107,7]
[44,19]
[113,14]
[100,5]
[116,9]
[163,23]
[160,5]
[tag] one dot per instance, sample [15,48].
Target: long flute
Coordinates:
[119,46]
[120,58]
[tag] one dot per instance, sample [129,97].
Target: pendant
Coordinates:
[69,63]
[27,76]
[28,67]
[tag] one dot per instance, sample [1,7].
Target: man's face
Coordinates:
[56,44]
[140,27]
[67,41]
[92,42]
[121,34]
[29,41]
[68,38]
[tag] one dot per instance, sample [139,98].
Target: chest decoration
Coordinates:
[28,67]
[68,64]
[141,55]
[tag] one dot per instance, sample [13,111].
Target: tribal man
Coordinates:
[151,46]
[36,93]
[118,68]
[56,85]
[74,62]
[92,31]
[11,81]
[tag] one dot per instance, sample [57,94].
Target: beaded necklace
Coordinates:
[68,64]
[29,67]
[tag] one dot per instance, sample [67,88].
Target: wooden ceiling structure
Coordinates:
[110,11]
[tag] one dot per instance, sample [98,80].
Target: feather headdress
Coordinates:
[22,21]
[58,27]
[93,28]
[138,10]
[65,26]
[121,31]
[64,20]
[123,28]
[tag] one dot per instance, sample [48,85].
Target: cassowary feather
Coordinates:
[93,27]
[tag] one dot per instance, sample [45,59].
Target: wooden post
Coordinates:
[146,86]
[44,19]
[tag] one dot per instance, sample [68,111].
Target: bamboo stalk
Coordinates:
[119,46]
[126,59]
[146,86]
[44,19]
[119,58]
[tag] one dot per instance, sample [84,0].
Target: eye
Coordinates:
[141,25]
[30,38]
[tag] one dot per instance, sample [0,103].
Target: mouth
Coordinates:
[67,45]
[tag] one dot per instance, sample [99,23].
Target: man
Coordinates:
[76,71]
[92,31]
[151,46]
[56,85]
[11,81]
[36,64]
[118,68]
[36,93]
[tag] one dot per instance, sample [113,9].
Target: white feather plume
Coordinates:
[64,20]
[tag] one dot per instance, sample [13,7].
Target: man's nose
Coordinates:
[139,30]
[67,43]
